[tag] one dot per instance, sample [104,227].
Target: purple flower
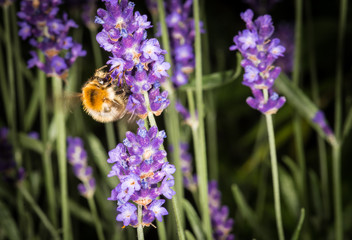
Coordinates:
[49,34]
[9,170]
[77,157]
[319,118]
[128,214]
[158,210]
[248,39]
[181,31]
[259,53]
[136,60]
[222,225]
[144,175]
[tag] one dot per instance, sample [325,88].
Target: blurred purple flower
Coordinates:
[77,157]
[48,34]
[8,168]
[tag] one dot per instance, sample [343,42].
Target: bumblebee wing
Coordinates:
[71,101]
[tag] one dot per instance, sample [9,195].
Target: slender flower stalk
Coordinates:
[201,162]
[260,52]
[324,175]
[77,157]
[61,154]
[171,120]
[46,158]
[338,123]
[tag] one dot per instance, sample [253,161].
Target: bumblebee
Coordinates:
[104,100]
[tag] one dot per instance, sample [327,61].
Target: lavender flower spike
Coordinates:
[260,52]
[77,157]
[136,60]
[144,175]
[49,34]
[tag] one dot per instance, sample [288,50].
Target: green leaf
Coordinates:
[100,156]
[301,103]
[189,235]
[80,212]
[193,219]
[296,233]
[32,110]
[315,194]
[8,224]
[30,143]
[289,191]
[217,79]
[248,213]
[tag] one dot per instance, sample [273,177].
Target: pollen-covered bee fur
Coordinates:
[103,99]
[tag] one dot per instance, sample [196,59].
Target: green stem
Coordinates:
[11,78]
[140,226]
[96,49]
[110,134]
[275,176]
[61,154]
[296,121]
[172,122]
[97,222]
[212,136]
[315,93]
[48,169]
[336,173]
[19,77]
[175,200]
[336,177]
[274,171]
[4,88]
[46,222]
[202,160]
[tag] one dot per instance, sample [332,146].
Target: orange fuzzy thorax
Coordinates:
[93,97]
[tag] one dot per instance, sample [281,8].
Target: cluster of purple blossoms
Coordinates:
[260,52]
[77,157]
[136,60]
[8,167]
[144,175]
[222,225]
[49,34]
[181,30]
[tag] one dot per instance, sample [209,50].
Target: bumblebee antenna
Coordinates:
[101,68]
